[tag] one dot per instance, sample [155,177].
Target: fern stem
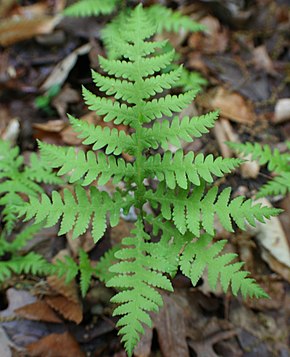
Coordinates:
[140,191]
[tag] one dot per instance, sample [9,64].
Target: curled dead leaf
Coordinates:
[18,29]
[68,309]
[38,311]
[60,345]
[233,106]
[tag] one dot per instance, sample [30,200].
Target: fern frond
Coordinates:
[199,254]
[17,180]
[19,241]
[170,245]
[134,92]
[115,41]
[116,141]
[128,70]
[75,213]
[84,8]
[166,105]
[31,263]
[280,185]
[138,274]
[66,267]
[190,80]
[70,269]
[102,269]
[166,132]
[170,20]
[275,161]
[192,209]
[39,172]
[181,169]
[88,167]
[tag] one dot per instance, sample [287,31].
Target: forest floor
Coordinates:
[245,57]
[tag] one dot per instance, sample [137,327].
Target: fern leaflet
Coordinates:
[138,274]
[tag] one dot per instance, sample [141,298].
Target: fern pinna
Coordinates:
[185,226]
[17,178]
[277,162]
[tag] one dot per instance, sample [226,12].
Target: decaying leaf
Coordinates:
[68,309]
[38,311]
[271,236]
[55,345]
[233,106]
[171,329]
[67,302]
[62,69]
[18,29]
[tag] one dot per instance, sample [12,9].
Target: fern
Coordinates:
[198,255]
[70,269]
[84,8]
[190,209]
[276,162]
[15,262]
[142,265]
[16,178]
[138,273]
[76,213]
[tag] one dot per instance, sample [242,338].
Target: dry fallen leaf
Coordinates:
[282,111]
[5,6]
[233,106]
[55,345]
[38,311]
[273,243]
[171,329]
[215,39]
[68,309]
[18,29]
[262,59]
[52,126]
[66,96]
[62,69]
[67,302]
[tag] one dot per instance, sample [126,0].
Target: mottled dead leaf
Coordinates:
[5,6]
[233,106]
[214,40]
[171,329]
[66,96]
[52,126]
[38,311]
[18,29]
[55,345]
[62,69]
[68,309]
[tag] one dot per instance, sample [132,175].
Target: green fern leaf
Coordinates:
[276,161]
[166,132]
[170,20]
[114,140]
[199,255]
[280,185]
[84,8]
[102,270]
[31,263]
[179,169]
[192,209]
[85,166]
[75,214]
[16,180]
[66,267]
[138,281]
[86,271]
[127,70]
